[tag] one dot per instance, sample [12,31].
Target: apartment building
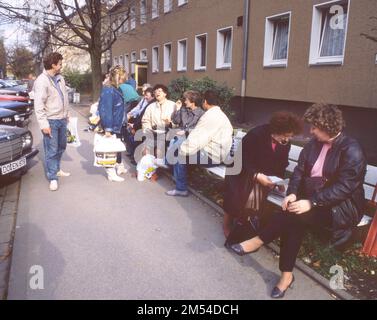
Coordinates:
[277,54]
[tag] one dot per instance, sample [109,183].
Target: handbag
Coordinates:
[243,231]
[345,214]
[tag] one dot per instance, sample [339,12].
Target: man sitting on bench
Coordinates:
[207,145]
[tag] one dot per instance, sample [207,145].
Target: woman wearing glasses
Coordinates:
[265,152]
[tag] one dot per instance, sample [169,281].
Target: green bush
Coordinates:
[178,86]
[81,81]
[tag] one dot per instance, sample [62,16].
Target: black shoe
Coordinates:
[237,248]
[276,293]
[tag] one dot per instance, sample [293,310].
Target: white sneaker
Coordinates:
[161,163]
[176,193]
[121,169]
[112,175]
[61,173]
[53,185]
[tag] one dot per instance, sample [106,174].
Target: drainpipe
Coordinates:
[246,23]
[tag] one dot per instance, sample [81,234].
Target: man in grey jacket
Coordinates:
[51,109]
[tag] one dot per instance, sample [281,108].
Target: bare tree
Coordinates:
[3,59]
[83,24]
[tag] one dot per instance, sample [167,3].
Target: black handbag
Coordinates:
[345,215]
[243,231]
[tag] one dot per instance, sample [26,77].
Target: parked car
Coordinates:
[10,118]
[16,148]
[8,97]
[24,109]
[10,85]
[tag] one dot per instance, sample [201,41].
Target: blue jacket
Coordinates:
[111,109]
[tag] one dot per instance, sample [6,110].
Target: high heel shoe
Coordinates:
[276,293]
[237,248]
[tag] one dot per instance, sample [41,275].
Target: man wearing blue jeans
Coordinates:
[51,109]
[207,145]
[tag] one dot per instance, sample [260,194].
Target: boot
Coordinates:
[112,175]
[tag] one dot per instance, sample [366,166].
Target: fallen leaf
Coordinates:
[317,264]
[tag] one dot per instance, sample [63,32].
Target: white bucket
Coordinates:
[76,97]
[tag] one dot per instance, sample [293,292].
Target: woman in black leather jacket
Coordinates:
[339,163]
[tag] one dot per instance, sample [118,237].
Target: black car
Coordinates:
[10,118]
[11,86]
[24,109]
[16,148]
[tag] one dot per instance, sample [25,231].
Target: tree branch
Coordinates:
[69,23]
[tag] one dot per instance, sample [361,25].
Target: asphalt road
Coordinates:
[94,239]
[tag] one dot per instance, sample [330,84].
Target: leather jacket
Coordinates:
[344,172]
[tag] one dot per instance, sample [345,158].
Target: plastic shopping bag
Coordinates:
[106,149]
[72,133]
[146,167]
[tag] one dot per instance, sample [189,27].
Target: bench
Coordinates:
[370,181]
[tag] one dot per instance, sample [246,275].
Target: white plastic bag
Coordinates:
[94,109]
[72,133]
[106,149]
[108,144]
[146,167]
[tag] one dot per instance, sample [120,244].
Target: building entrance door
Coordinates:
[141,74]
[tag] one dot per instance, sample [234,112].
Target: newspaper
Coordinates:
[278,194]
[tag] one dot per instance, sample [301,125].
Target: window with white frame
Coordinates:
[119,23]
[329,32]
[201,52]
[144,55]
[224,48]
[143,11]
[276,40]
[182,55]
[168,6]
[167,57]
[155,9]
[133,61]
[121,61]
[125,26]
[133,18]
[127,62]
[155,59]
[115,61]
[182,2]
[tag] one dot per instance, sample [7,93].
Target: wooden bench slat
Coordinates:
[219,171]
[368,191]
[294,153]
[371,176]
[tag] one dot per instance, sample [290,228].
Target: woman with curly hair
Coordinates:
[265,151]
[330,172]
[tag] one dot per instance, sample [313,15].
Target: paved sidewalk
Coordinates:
[9,191]
[94,239]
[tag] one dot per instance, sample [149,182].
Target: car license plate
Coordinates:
[13,166]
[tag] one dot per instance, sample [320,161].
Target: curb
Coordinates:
[8,217]
[343,295]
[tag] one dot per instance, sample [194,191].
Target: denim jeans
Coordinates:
[54,147]
[180,169]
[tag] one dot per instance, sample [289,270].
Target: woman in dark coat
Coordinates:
[264,153]
[325,190]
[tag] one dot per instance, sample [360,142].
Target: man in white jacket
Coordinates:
[51,109]
[207,145]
